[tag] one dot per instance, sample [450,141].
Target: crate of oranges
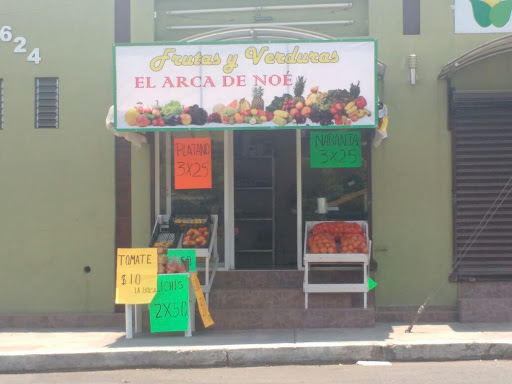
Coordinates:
[340,237]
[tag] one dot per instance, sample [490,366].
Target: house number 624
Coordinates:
[6,36]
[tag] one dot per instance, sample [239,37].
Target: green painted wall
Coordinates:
[492,73]
[58,205]
[412,168]
[57,195]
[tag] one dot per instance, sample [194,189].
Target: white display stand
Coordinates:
[207,261]
[340,260]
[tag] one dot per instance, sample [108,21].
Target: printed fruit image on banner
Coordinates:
[233,86]
[495,12]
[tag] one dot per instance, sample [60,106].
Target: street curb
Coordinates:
[250,356]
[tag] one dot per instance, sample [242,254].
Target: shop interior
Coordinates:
[260,207]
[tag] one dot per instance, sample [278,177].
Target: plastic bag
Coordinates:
[353,243]
[337,228]
[175,265]
[322,243]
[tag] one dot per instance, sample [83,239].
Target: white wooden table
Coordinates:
[360,261]
[207,261]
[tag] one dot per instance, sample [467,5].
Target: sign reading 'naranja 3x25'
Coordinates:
[284,85]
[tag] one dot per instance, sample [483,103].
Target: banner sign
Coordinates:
[201,302]
[136,275]
[483,16]
[186,255]
[169,310]
[281,85]
[193,163]
[335,149]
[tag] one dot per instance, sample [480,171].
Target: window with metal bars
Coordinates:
[47,102]
[1,104]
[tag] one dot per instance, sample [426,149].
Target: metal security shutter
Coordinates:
[481,125]
[47,102]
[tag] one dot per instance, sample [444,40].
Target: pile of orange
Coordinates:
[337,237]
[322,243]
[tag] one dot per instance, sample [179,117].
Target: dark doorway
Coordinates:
[265,181]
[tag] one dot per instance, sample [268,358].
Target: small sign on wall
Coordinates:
[193,163]
[483,16]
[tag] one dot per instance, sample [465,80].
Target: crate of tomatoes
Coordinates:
[343,237]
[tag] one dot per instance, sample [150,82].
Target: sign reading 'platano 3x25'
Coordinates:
[282,85]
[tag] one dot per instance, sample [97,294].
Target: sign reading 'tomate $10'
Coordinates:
[136,275]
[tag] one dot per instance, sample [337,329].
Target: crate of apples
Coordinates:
[196,237]
[353,243]
[322,243]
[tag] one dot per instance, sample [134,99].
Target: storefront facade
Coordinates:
[409,177]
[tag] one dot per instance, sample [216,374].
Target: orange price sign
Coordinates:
[193,163]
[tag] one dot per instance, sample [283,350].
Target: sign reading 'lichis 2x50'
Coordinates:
[289,85]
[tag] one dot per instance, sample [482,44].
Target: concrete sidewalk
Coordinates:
[54,350]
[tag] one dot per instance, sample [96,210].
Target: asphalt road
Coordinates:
[473,372]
